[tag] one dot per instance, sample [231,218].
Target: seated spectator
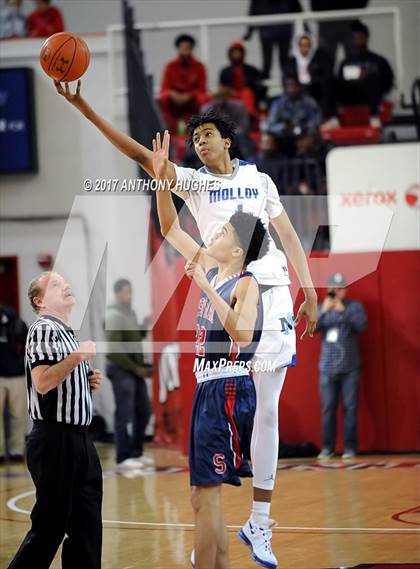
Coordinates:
[294,120]
[244,80]
[222,103]
[313,68]
[45,20]
[183,87]
[12,21]
[364,77]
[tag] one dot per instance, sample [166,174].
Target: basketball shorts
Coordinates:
[277,346]
[220,431]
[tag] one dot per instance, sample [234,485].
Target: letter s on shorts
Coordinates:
[219,463]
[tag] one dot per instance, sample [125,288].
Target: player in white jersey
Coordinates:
[239,185]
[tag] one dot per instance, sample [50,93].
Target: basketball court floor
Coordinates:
[329,515]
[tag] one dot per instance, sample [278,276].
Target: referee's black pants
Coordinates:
[67,475]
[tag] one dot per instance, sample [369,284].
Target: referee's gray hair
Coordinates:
[34,290]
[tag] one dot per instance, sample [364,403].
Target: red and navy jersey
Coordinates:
[213,345]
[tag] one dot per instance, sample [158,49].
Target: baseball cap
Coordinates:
[337,279]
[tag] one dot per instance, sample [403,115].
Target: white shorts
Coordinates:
[277,346]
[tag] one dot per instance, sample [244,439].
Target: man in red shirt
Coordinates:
[184,85]
[45,20]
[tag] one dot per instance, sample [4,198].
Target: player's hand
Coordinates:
[308,309]
[160,154]
[74,99]
[144,371]
[87,350]
[196,272]
[327,305]
[95,379]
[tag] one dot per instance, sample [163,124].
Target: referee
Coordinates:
[61,457]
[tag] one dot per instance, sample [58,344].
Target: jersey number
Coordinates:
[200,340]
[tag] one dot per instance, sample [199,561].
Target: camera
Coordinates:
[331,293]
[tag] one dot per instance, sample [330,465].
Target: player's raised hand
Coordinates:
[196,272]
[160,154]
[74,99]
[308,309]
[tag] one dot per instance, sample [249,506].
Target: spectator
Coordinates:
[313,68]
[340,321]
[183,87]
[333,33]
[294,120]
[279,34]
[244,80]
[12,21]
[45,20]
[223,104]
[127,371]
[364,77]
[13,333]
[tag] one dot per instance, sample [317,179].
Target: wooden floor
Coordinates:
[327,517]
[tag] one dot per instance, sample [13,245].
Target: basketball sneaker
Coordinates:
[259,542]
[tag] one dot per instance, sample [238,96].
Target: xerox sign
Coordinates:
[374,192]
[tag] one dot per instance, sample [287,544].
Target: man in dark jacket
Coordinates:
[243,80]
[279,34]
[126,370]
[13,333]
[364,77]
[340,322]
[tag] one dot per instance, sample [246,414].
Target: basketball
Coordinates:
[65,56]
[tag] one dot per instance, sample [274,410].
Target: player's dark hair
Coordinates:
[358,26]
[121,283]
[224,125]
[252,235]
[184,37]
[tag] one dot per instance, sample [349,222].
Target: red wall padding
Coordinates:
[389,417]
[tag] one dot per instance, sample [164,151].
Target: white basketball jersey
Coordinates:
[247,190]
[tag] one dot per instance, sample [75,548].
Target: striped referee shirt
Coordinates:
[50,341]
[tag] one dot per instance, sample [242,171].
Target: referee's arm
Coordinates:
[46,377]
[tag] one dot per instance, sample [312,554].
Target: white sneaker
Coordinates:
[375,122]
[325,454]
[259,541]
[348,455]
[332,122]
[129,463]
[130,472]
[145,460]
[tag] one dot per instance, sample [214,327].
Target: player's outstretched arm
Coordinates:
[239,321]
[168,217]
[294,251]
[124,143]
